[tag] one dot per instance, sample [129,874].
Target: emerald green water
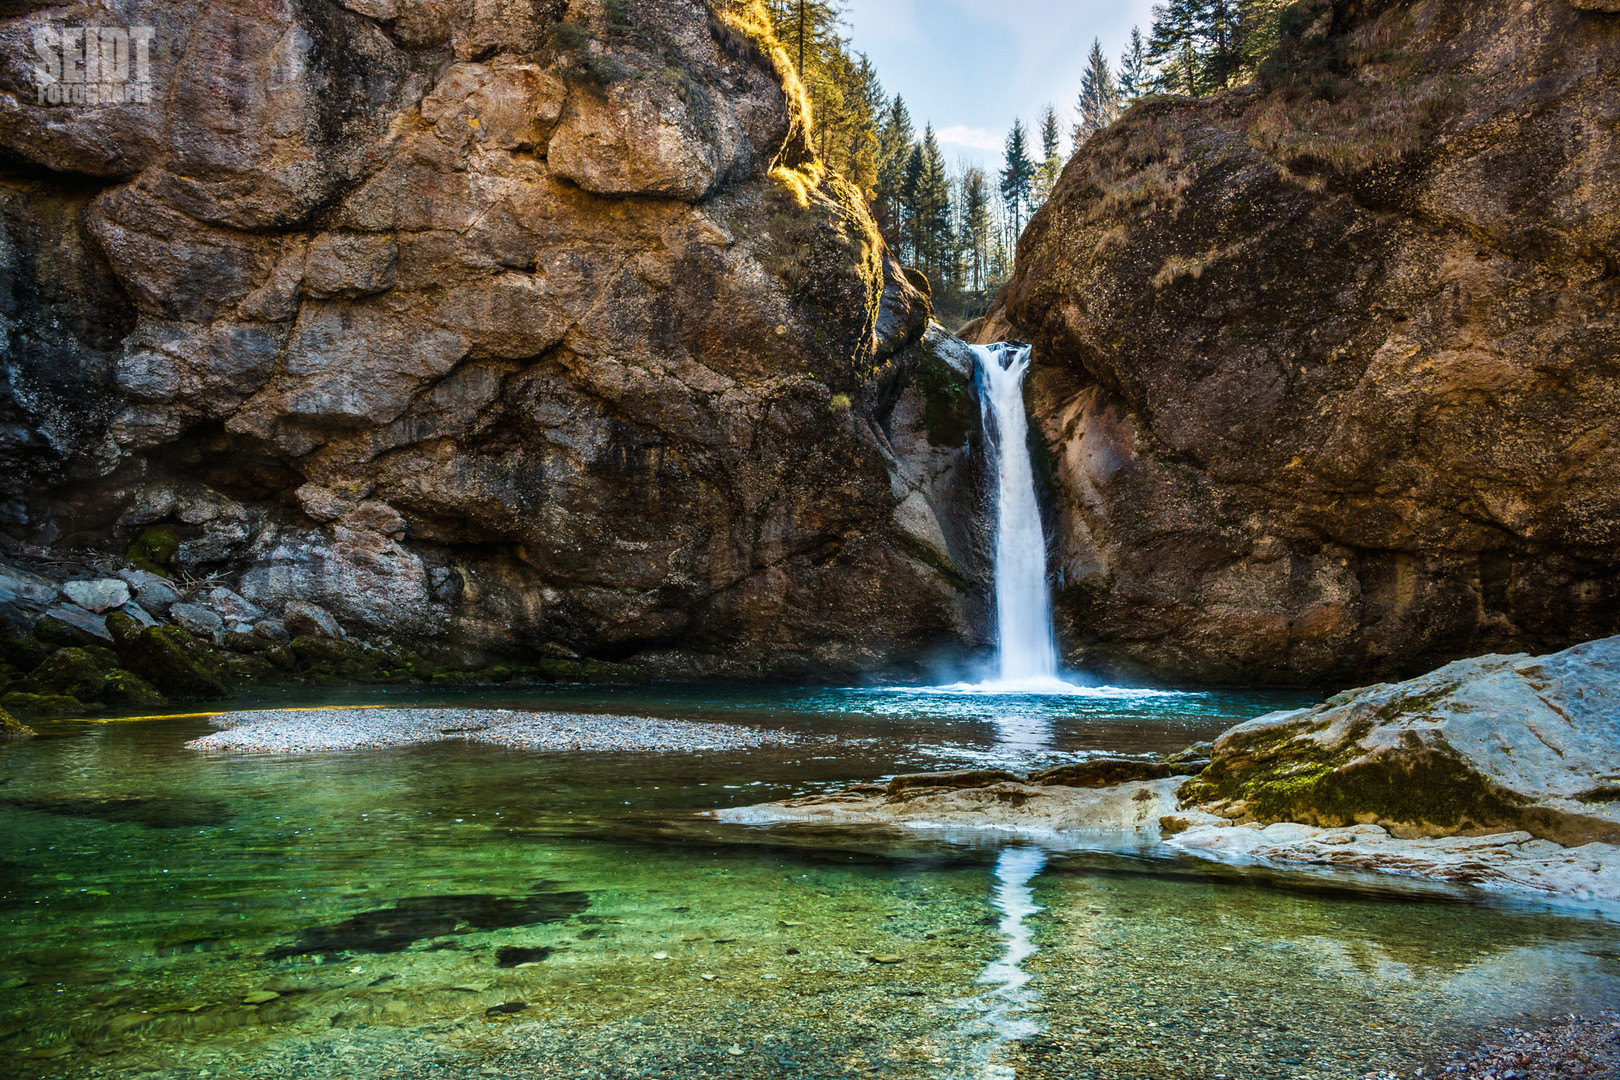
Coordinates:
[154,898]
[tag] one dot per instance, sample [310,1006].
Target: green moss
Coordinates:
[544,670]
[249,669]
[52,633]
[41,705]
[948,414]
[12,728]
[177,664]
[69,672]
[125,688]
[153,549]
[1285,775]
[20,650]
[326,660]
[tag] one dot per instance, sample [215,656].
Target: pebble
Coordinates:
[285,731]
[259,997]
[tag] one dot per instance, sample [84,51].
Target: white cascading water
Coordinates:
[1024,646]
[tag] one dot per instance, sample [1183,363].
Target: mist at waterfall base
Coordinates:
[1026,663]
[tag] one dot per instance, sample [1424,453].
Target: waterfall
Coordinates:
[1024,645]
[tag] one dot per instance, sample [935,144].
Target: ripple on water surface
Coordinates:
[451,909]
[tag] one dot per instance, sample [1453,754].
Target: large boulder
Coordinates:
[176,663]
[480,330]
[1491,744]
[1327,365]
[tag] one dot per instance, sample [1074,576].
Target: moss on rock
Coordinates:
[1289,775]
[129,690]
[69,672]
[1106,772]
[153,549]
[12,728]
[44,706]
[173,661]
[948,415]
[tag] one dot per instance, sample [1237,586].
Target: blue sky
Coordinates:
[971,66]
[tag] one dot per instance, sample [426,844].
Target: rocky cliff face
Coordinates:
[1329,366]
[481,325]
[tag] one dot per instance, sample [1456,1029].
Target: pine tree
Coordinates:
[853,151]
[808,29]
[1051,165]
[895,136]
[1173,46]
[1205,46]
[977,225]
[1017,176]
[1099,98]
[1134,73]
[1220,31]
[1260,21]
[933,211]
[910,200]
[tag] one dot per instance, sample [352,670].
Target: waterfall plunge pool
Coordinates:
[462,911]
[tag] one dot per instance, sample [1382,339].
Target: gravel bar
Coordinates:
[295,731]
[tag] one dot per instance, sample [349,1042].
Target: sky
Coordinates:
[972,66]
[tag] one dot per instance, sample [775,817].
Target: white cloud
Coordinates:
[972,138]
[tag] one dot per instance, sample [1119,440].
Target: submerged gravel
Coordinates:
[1578,1048]
[295,731]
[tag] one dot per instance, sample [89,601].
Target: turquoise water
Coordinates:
[166,913]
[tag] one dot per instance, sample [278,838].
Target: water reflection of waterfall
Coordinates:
[1009,996]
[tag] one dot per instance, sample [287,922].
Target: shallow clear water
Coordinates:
[154,898]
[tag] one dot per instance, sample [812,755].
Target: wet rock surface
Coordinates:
[476,333]
[1326,364]
[1008,805]
[1497,772]
[1496,742]
[1502,861]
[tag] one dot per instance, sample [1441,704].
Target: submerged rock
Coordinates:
[154,812]
[1107,771]
[414,918]
[511,956]
[1005,805]
[1492,743]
